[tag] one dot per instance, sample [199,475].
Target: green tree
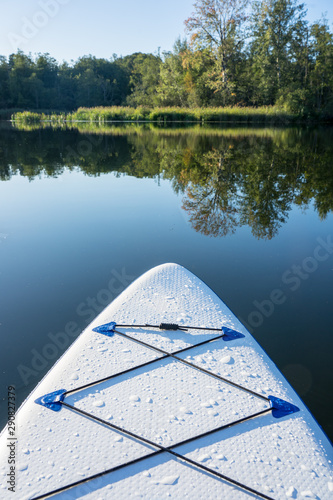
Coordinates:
[100,82]
[218,25]
[46,71]
[171,89]
[113,81]
[275,24]
[4,83]
[21,68]
[201,78]
[88,87]
[144,70]
[66,88]
[321,74]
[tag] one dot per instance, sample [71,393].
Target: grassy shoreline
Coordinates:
[166,115]
[265,114]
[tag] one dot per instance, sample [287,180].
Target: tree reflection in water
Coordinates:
[227,177]
[213,204]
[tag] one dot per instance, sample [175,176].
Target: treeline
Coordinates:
[233,56]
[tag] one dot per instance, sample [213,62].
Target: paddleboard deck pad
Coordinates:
[166,395]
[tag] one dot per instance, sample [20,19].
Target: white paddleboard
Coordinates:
[143,412]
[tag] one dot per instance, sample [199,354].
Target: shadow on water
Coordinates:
[227,177]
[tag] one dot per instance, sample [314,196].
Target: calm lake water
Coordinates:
[248,210]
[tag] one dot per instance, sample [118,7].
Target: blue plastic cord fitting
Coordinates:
[53,400]
[280,408]
[107,329]
[229,334]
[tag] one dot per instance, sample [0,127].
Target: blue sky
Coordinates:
[68,29]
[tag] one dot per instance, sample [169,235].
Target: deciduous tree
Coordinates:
[217,24]
[275,25]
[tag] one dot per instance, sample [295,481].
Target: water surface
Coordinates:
[247,210]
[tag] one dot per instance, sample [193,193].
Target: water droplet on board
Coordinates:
[169,480]
[99,403]
[183,409]
[291,492]
[226,360]
[22,467]
[308,494]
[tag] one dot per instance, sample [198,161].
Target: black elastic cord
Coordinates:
[166,355]
[171,326]
[161,449]
[192,365]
